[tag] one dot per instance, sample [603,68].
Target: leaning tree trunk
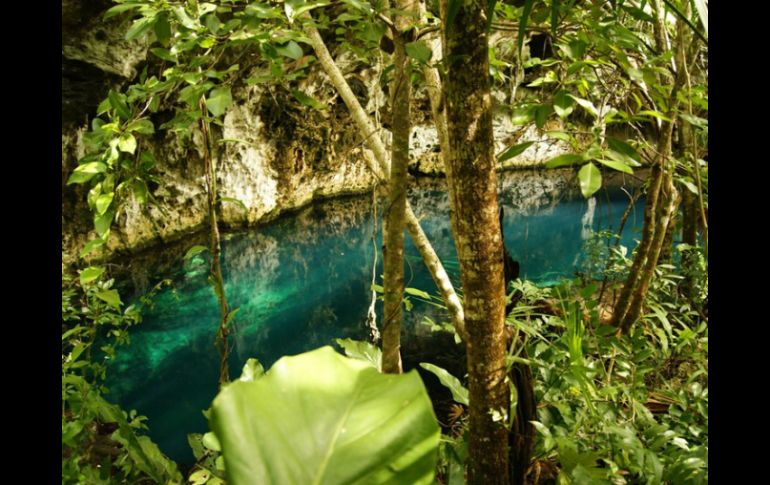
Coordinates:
[215,246]
[472,185]
[379,163]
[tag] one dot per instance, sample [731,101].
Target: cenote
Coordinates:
[304,280]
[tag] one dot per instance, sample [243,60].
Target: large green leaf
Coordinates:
[590,179]
[321,418]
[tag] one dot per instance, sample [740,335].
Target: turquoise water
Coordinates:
[304,280]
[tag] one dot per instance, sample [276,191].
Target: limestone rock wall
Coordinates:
[279,157]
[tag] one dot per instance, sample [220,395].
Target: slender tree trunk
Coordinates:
[472,184]
[666,211]
[217,281]
[379,163]
[393,252]
[648,229]
[656,213]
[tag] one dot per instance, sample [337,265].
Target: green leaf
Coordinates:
[211,441]
[127,143]
[554,17]
[523,24]
[291,50]
[453,6]
[307,100]
[103,202]
[199,477]
[514,151]
[140,27]
[252,370]
[319,417]
[90,246]
[523,115]
[614,164]
[84,173]
[541,114]
[373,31]
[564,160]
[118,101]
[164,54]
[140,191]
[703,13]
[655,114]
[563,104]
[184,19]
[419,50]
[90,274]
[143,127]
[111,297]
[194,251]
[417,292]
[560,135]
[377,288]
[102,223]
[163,29]
[219,100]
[459,392]
[624,148]
[590,179]
[589,106]
[356,349]
[118,9]
[686,20]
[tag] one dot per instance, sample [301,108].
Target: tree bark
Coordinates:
[472,184]
[656,212]
[393,250]
[666,211]
[217,281]
[379,163]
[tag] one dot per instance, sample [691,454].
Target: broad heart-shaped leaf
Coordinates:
[321,418]
[590,179]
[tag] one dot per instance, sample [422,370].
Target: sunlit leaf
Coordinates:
[319,417]
[514,150]
[590,179]
[564,160]
[111,297]
[90,274]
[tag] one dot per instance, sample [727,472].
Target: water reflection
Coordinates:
[304,280]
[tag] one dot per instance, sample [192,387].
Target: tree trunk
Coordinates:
[472,185]
[634,291]
[379,163]
[217,281]
[393,251]
[666,210]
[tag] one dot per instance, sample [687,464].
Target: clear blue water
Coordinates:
[304,280]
